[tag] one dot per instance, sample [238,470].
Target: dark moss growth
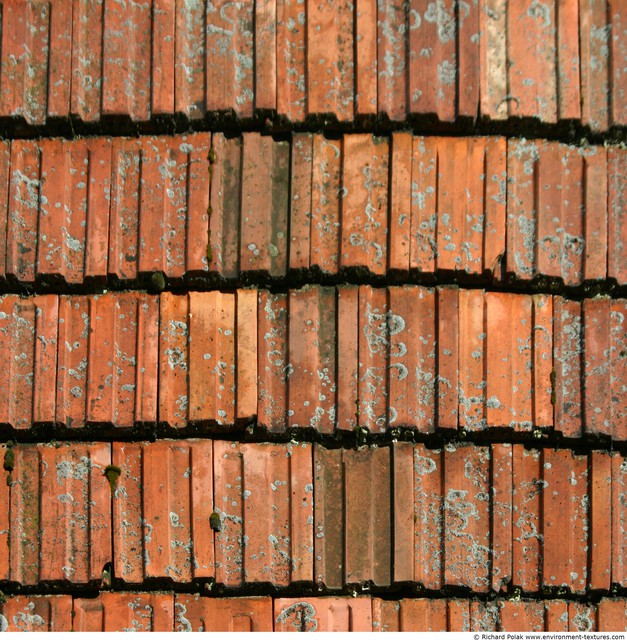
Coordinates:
[157,282]
[361,436]
[215,522]
[9,460]
[9,480]
[553,378]
[212,156]
[113,473]
[209,249]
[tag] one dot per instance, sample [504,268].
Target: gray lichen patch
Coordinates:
[301,616]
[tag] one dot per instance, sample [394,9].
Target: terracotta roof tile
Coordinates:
[199,341]
[439,317]
[272,360]
[496,615]
[565,507]
[412,353]
[409,615]
[237,208]
[196,613]
[28,347]
[611,615]
[138,611]
[124,612]
[322,358]
[68,539]
[433,500]
[63,186]
[107,360]
[618,564]
[128,531]
[323,614]
[364,210]
[36,613]
[162,504]
[152,507]
[617,228]
[496,58]
[24,78]
[549,184]
[263,494]
[312,358]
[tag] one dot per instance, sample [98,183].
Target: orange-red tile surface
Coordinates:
[59,503]
[496,58]
[411,514]
[251,206]
[392,364]
[323,614]
[321,358]
[37,613]
[125,611]
[195,613]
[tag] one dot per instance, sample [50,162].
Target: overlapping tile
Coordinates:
[208,210]
[195,613]
[36,613]
[124,612]
[59,506]
[494,58]
[264,496]
[354,545]
[259,495]
[447,532]
[90,209]
[161,520]
[549,186]
[211,208]
[480,518]
[497,615]
[323,614]
[325,359]
[166,612]
[207,348]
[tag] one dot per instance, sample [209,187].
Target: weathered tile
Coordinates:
[36,613]
[195,613]
[323,614]
[124,612]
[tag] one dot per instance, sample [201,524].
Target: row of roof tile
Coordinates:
[485,208]
[328,359]
[478,517]
[492,58]
[169,612]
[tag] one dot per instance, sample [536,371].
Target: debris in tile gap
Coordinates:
[112,473]
[215,522]
[107,576]
[157,282]
[9,459]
